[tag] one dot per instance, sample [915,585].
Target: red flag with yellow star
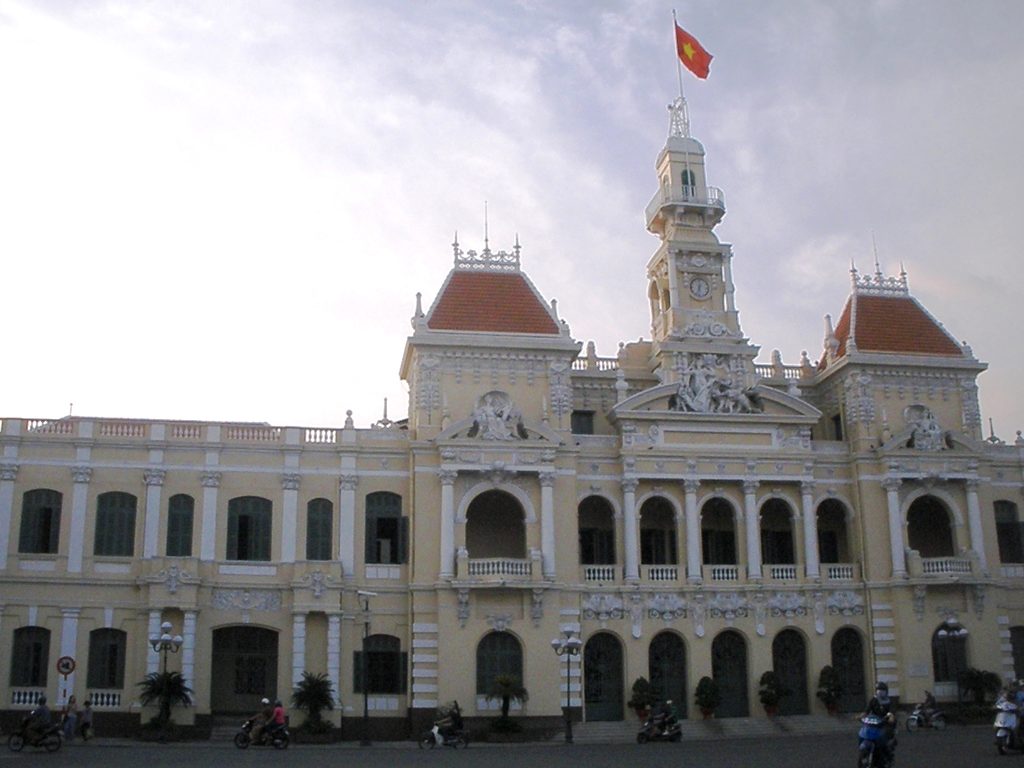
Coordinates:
[692,53]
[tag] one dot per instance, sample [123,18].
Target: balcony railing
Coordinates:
[104,699]
[710,197]
[945,566]
[839,571]
[26,697]
[600,573]
[501,567]
[659,573]
[721,573]
[781,571]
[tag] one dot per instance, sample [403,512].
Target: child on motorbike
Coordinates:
[881,706]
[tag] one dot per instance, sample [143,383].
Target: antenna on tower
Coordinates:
[874,248]
[487,247]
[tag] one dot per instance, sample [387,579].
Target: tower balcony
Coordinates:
[709,201]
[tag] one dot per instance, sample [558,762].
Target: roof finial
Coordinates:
[874,248]
[487,247]
[455,246]
[515,248]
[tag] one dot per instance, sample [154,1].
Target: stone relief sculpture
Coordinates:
[703,389]
[922,431]
[497,418]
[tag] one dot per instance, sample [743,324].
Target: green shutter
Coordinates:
[357,672]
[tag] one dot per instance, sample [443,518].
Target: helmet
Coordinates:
[264,701]
[277,703]
[881,687]
[669,702]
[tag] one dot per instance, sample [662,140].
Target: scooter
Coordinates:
[1006,726]
[925,718]
[278,738]
[50,739]
[654,729]
[874,736]
[436,738]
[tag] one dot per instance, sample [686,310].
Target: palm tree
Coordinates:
[168,688]
[313,694]
[508,688]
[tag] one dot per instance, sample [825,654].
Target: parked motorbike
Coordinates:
[277,738]
[874,738]
[1005,724]
[925,718]
[659,729]
[50,739]
[435,737]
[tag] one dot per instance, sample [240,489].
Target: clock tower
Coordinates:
[694,322]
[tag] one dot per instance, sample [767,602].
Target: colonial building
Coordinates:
[685,510]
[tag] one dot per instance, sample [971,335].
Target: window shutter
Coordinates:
[403,540]
[357,672]
[404,671]
[232,550]
[370,555]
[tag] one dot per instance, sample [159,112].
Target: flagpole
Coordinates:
[679,64]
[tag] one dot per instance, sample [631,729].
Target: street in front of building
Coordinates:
[952,748]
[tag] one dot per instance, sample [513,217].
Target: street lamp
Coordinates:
[365,596]
[569,646]
[164,643]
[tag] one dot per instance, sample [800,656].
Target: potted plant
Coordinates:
[312,695]
[642,698]
[829,689]
[508,688]
[707,697]
[166,689]
[770,692]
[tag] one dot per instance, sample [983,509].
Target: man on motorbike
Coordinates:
[39,719]
[928,706]
[261,718]
[277,720]
[663,716]
[450,724]
[881,706]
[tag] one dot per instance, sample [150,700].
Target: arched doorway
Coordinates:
[602,677]
[495,526]
[789,660]
[667,668]
[928,528]
[848,662]
[244,669]
[729,669]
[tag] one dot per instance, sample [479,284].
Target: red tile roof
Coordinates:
[490,302]
[895,324]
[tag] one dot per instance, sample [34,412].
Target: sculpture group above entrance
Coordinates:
[708,385]
[496,417]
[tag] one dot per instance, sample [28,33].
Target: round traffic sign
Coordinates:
[65,665]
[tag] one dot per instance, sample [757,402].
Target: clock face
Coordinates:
[700,288]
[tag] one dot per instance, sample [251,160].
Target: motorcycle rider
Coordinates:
[881,706]
[277,720]
[663,716]
[928,706]
[261,718]
[39,719]
[450,724]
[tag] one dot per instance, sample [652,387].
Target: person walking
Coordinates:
[70,718]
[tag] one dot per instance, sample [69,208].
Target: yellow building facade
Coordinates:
[683,509]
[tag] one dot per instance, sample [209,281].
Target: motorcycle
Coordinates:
[1005,724]
[657,729]
[448,738]
[278,738]
[925,718]
[50,739]
[874,737]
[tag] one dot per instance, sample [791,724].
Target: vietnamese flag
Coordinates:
[692,53]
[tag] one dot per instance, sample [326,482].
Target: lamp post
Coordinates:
[569,645]
[365,597]
[164,643]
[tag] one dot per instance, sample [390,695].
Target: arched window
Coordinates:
[949,651]
[387,532]
[928,528]
[40,522]
[319,520]
[495,526]
[180,512]
[658,533]
[666,665]
[729,670]
[497,653]
[718,533]
[115,525]
[1008,532]
[385,665]
[597,532]
[689,182]
[30,657]
[106,658]
[833,546]
[250,520]
[777,533]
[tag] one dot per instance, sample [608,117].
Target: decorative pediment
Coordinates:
[759,402]
[922,432]
[496,420]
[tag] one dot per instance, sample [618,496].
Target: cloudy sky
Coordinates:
[224,210]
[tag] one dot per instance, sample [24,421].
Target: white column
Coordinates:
[298,646]
[347,527]
[152,657]
[8,474]
[68,646]
[188,650]
[753,529]
[896,546]
[629,524]
[154,479]
[447,565]
[547,523]
[811,554]
[694,572]
[208,544]
[76,531]
[334,655]
[289,516]
[974,524]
